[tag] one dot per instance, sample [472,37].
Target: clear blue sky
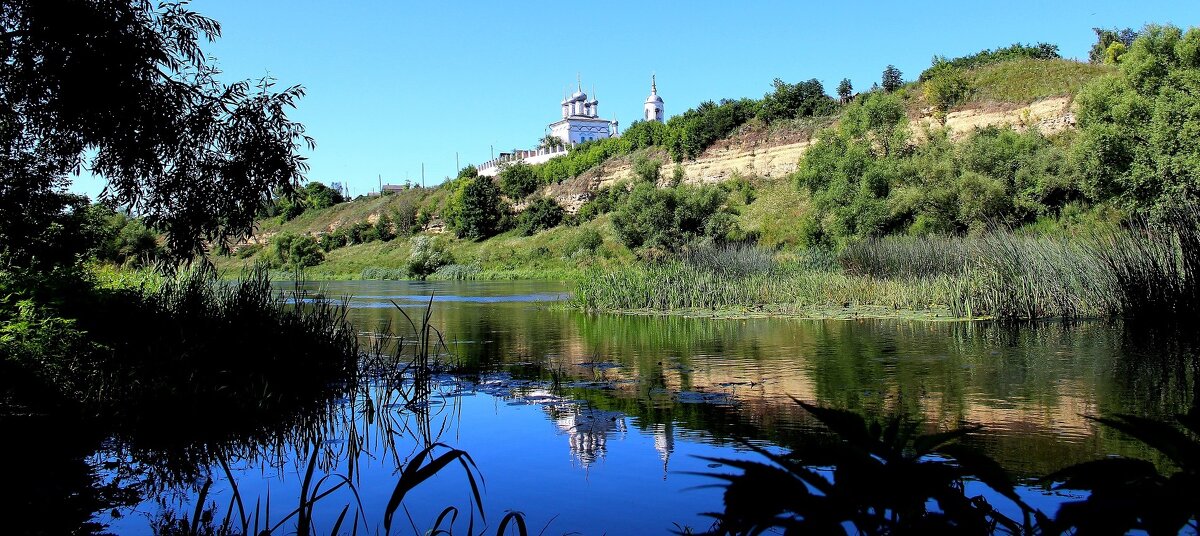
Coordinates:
[394,84]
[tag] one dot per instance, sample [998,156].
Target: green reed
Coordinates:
[1147,270]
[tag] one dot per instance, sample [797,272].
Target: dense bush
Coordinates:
[518,180]
[647,170]
[866,180]
[606,200]
[1106,40]
[696,129]
[427,255]
[1138,141]
[668,218]
[293,251]
[122,239]
[945,90]
[474,209]
[1039,51]
[542,213]
[313,196]
[587,241]
[789,101]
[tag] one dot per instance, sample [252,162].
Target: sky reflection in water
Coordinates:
[644,396]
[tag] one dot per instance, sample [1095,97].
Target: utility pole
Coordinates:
[380,184]
[456,168]
[422,174]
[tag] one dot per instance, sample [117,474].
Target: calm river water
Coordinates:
[639,399]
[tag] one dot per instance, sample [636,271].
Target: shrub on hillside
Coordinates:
[474,209]
[647,169]
[695,130]
[788,101]
[607,199]
[385,230]
[1137,142]
[668,218]
[518,180]
[313,196]
[865,180]
[427,255]
[1039,51]
[542,213]
[587,241]
[946,90]
[293,251]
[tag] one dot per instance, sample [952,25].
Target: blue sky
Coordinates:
[393,84]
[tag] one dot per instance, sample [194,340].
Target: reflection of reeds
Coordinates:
[390,400]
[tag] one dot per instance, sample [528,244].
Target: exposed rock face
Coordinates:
[1050,116]
[766,154]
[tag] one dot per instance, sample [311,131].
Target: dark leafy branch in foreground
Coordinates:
[884,478]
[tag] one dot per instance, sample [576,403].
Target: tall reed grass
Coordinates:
[1147,271]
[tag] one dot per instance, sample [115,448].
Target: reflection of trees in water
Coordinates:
[1158,371]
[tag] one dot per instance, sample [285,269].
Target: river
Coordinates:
[594,423]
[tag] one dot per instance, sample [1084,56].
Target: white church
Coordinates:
[581,122]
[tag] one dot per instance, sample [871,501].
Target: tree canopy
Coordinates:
[125,91]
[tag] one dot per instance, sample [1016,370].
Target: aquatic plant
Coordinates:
[1148,271]
[1129,494]
[882,479]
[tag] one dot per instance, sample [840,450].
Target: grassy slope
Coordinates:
[774,213]
[1026,80]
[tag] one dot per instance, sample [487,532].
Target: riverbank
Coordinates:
[1144,272]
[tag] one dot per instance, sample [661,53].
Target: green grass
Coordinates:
[1026,80]
[775,214]
[360,209]
[545,255]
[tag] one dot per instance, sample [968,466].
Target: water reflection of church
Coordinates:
[588,432]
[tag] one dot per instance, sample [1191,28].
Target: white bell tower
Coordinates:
[654,104]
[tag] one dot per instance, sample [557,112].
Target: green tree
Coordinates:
[124,89]
[892,79]
[845,90]
[788,101]
[542,213]
[122,239]
[550,141]
[292,251]
[1137,141]
[1105,38]
[945,90]
[317,196]
[474,209]
[518,180]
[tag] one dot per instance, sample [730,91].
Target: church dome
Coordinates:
[579,96]
[653,98]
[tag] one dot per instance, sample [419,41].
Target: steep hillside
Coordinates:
[1023,94]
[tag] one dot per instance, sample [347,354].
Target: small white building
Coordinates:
[581,120]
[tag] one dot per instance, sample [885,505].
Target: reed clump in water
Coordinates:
[1145,271]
